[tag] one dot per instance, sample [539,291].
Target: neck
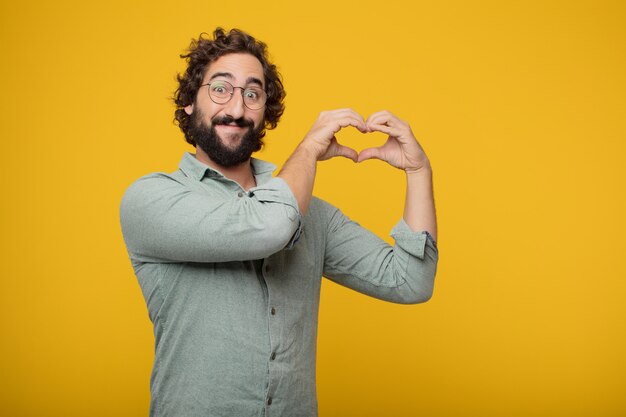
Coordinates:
[241,174]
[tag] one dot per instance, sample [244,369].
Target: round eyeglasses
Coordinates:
[221,92]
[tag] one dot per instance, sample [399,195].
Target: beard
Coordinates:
[209,141]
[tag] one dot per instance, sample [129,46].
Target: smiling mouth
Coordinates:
[229,121]
[233,129]
[231,135]
[232,126]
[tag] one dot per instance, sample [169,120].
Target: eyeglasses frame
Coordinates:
[243,89]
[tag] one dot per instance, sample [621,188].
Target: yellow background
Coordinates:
[520,106]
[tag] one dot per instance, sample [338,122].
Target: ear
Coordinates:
[189,109]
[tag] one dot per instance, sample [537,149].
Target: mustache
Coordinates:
[228,120]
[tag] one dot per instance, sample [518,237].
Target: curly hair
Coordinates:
[202,52]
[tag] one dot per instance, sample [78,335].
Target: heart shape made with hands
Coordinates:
[350,138]
[400,150]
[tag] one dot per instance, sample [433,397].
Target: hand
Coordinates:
[321,138]
[401,149]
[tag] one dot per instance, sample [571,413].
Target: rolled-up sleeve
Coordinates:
[358,259]
[166,220]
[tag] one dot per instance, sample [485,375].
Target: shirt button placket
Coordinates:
[273,337]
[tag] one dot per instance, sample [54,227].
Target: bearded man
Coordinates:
[230,258]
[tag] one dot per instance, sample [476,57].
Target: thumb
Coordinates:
[335,149]
[346,152]
[370,153]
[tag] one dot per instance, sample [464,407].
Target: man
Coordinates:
[230,259]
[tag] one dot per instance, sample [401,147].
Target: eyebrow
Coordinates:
[250,80]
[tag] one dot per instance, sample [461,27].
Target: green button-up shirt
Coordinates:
[232,281]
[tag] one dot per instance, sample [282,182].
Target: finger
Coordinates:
[385,117]
[386,122]
[388,130]
[346,152]
[375,115]
[359,124]
[383,121]
[380,115]
[356,121]
[326,129]
[335,149]
[346,111]
[370,153]
[346,114]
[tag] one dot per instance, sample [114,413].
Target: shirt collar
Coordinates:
[195,169]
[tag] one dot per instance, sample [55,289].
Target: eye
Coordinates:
[251,94]
[220,88]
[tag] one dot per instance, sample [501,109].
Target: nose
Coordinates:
[235,107]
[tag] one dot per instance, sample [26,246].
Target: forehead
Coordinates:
[239,67]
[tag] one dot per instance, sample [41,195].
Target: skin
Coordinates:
[401,150]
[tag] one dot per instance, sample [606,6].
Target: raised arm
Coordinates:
[358,259]
[402,151]
[318,145]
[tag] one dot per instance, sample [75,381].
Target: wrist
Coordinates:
[310,150]
[424,170]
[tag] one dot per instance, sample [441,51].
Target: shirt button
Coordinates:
[269,401]
[273,356]
[273,311]
[239,194]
